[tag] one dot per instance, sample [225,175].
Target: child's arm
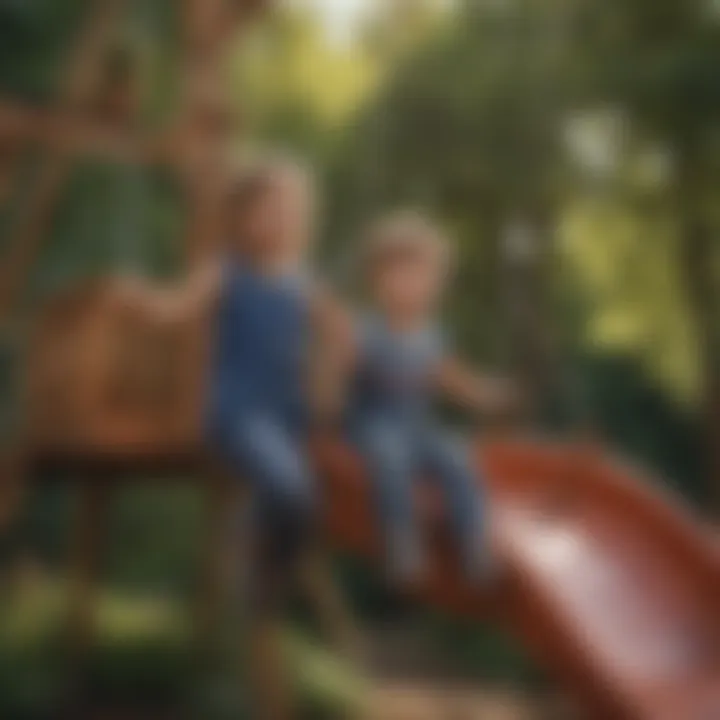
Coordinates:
[173,302]
[475,391]
[334,354]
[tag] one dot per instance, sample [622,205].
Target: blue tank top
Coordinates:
[396,369]
[259,353]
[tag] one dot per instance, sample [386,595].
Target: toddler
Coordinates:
[403,364]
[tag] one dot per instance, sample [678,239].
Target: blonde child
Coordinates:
[403,364]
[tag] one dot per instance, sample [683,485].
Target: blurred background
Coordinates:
[572,147]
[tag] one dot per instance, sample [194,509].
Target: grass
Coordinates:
[143,656]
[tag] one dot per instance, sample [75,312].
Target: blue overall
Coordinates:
[256,409]
[400,440]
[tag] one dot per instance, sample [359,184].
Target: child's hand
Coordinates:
[487,394]
[140,298]
[500,396]
[171,303]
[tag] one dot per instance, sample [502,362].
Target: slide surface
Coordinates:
[614,588]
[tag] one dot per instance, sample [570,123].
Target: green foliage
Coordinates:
[155,538]
[295,88]
[483,652]
[330,687]
[637,416]
[143,657]
[622,265]
[34,41]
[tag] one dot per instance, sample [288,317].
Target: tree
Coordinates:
[659,61]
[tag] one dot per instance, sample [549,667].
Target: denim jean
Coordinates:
[269,453]
[398,452]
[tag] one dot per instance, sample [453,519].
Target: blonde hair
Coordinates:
[249,180]
[404,233]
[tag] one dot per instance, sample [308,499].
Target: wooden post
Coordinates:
[222,560]
[13,469]
[87,552]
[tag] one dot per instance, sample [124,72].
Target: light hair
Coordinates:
[249,179]
[405,232]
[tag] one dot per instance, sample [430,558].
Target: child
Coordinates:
[267,311]
[403,362]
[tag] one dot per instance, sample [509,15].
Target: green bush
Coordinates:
[144,656]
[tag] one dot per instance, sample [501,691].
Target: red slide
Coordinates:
[613,588]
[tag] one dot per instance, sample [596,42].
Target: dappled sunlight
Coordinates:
[626,268]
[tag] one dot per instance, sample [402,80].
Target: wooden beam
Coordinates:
[209,26]
[77,87]
[83,72]
[32,224]
[80,135]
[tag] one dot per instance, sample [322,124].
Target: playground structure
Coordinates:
[95,115]
[613,587]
